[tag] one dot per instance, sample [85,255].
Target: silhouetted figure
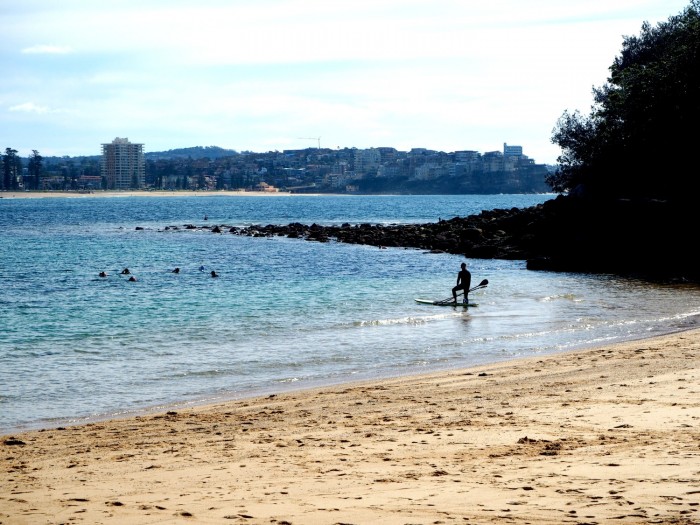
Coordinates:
[176,270]
[125,271]
[464,281]
[213,274]
[103,274]
[132,279]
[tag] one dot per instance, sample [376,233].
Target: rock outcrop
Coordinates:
[643,238]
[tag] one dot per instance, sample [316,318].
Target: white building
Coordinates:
[123,165]
[512,151]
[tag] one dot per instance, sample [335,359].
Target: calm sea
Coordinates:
[283,313]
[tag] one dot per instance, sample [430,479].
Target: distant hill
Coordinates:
[196,152]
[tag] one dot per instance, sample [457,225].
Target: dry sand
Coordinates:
[605,435]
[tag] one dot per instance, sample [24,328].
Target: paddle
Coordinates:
[482,284]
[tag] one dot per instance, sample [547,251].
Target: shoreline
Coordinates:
[279,389]
[588,435]
[285,388]
[138,193]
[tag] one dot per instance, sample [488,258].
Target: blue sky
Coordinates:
[268,75]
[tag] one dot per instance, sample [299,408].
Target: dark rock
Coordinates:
[642,238]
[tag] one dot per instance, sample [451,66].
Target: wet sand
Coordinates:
[603,435]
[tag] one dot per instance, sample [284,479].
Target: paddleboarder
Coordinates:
[464,281]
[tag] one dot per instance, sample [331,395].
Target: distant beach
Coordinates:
[137,193]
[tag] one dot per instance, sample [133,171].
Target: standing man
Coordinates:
[464,281]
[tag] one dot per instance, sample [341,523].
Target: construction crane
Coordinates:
[318,139]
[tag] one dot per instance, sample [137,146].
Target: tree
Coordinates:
[12,169]
[639,137]
[35,168]
[70,176]
[189,174]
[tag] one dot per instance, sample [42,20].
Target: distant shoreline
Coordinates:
[136,193]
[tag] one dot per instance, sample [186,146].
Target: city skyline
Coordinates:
[273,75]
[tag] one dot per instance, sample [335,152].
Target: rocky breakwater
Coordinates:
[478,236]
[644,238]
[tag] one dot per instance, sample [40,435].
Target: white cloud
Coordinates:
[45,49]
[256,74]
[29,107]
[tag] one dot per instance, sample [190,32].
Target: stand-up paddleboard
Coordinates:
[443,303]
[450,302]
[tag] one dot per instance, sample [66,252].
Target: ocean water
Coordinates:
[283,313]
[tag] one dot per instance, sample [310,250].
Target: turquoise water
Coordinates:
[283,313]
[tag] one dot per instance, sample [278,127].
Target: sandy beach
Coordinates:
[603,435]
[135,193]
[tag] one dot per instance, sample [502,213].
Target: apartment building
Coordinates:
[512,151]
[123,165]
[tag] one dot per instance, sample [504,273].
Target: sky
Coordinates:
[270,75]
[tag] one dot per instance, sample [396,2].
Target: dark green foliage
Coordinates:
[34,167]
[196,152]
[639,138]
[12,169]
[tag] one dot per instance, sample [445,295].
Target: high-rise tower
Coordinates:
[123,165]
